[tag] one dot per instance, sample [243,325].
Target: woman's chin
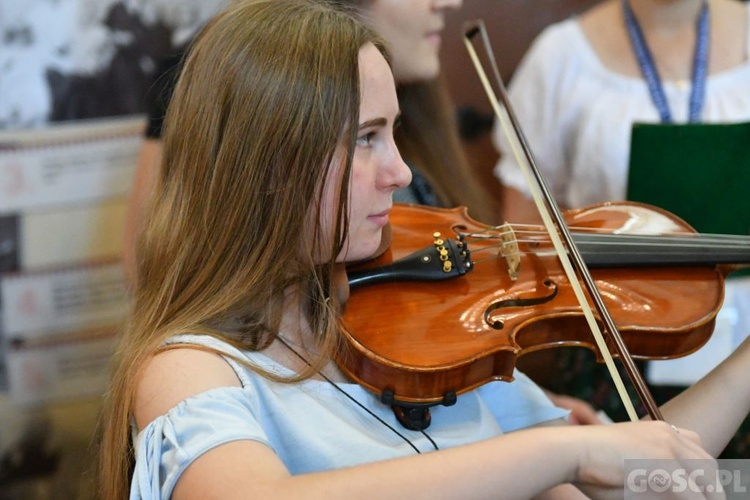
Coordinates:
[362,253]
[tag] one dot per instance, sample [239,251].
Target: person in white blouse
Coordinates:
[582,85]
[580,88]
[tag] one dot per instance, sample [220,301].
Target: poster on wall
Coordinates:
[72,92]
[73,80]
[82,59]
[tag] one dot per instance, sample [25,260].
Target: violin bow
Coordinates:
[559,232]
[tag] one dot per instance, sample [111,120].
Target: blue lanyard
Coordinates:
[651,75]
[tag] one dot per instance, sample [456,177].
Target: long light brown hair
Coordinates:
[268,95]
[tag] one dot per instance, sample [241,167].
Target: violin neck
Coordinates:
[615,250]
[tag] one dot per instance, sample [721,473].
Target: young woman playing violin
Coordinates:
[279,166]
[427,135]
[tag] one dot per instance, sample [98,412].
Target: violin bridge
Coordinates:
[509,250]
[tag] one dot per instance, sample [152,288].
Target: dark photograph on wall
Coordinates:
[86,58]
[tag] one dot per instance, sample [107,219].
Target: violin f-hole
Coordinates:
[498,324]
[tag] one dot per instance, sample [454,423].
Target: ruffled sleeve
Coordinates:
[171,442]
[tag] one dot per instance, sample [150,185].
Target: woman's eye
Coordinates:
[366,139]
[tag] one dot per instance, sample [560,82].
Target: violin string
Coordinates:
[630,245]
[673,239]
[534,229]
[356,402]
[679,240]
[620,246]
[677,235]
[519,252]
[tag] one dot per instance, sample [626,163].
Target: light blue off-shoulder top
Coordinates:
[312,427]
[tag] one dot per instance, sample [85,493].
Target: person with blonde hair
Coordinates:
[427,135]
[279,166]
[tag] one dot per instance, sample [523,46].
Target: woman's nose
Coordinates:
[396,173]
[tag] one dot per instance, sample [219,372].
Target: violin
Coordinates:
[453,303]
[423,326]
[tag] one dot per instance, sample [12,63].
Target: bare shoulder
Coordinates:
[172,376]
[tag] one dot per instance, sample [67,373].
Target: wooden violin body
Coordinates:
[427,341]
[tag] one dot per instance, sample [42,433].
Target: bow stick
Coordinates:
[576,270]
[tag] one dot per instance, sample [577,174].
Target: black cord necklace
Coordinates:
[356,402]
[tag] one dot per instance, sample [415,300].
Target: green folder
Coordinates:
[700,173]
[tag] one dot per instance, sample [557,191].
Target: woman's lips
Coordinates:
[380,218]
